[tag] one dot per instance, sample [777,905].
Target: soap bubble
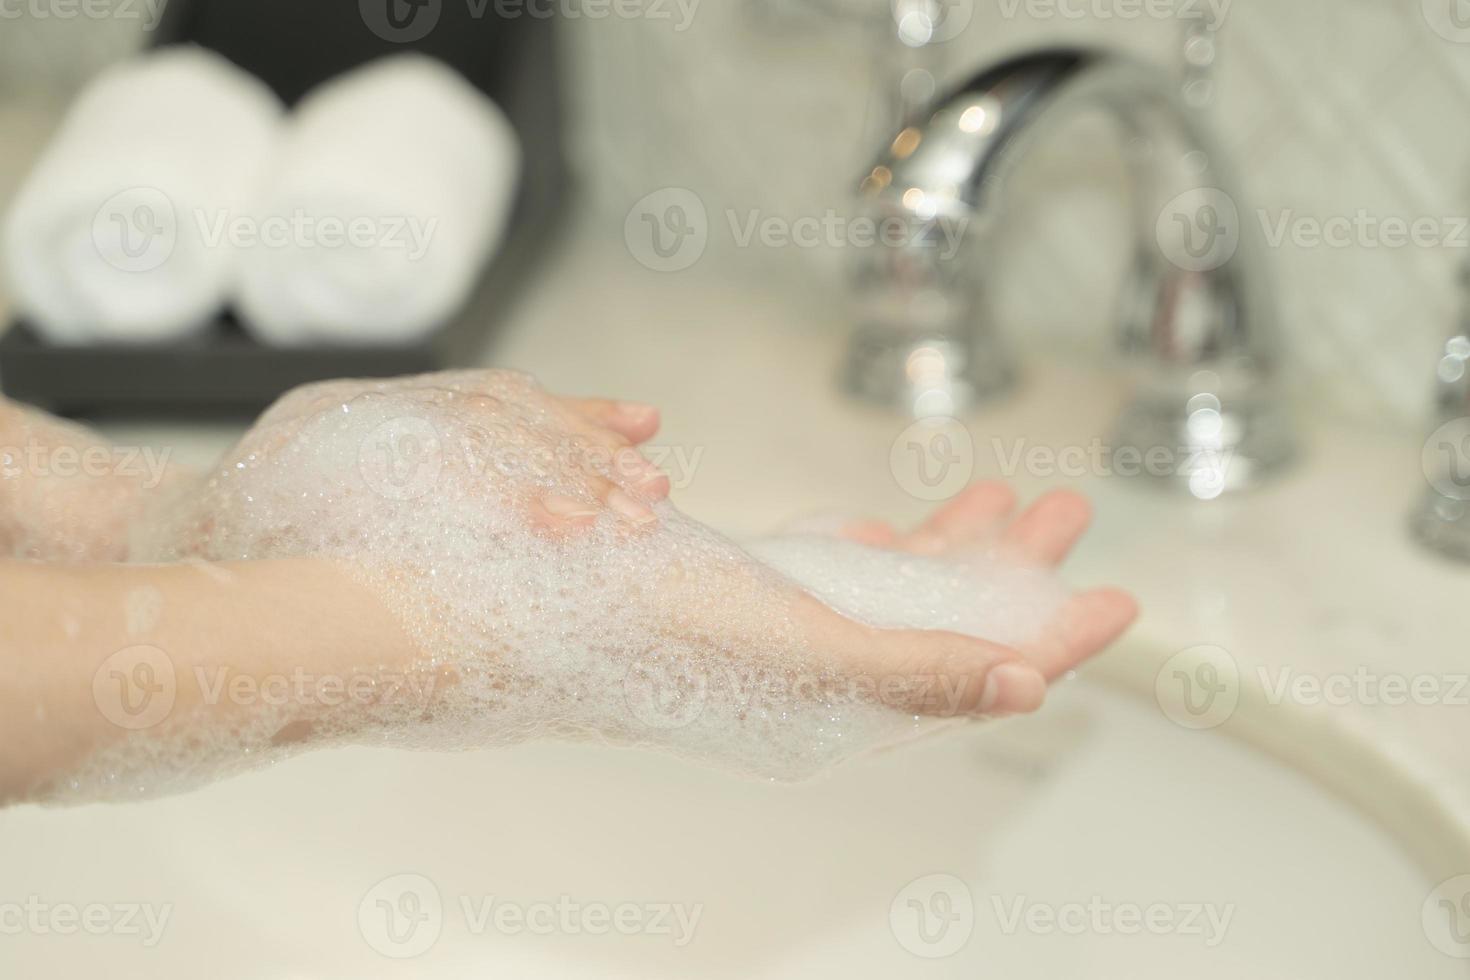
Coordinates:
[666,635]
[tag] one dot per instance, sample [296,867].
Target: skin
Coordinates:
[1042,535]
[258,619]
[65,618]
[63,511]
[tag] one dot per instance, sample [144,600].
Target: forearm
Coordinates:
[65,493]
[95,655]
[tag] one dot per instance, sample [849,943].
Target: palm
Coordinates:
[1042,535]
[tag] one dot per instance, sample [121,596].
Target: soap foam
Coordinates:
[669,636]
[976,594]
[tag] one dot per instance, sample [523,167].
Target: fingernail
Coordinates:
[635,410]
[634,510]
[1012,688]
[926,543]
[560,506]
[652,475]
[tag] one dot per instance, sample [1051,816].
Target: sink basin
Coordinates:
[1097,839]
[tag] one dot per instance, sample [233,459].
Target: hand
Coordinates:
[993,678]
[592,450]
[529,562]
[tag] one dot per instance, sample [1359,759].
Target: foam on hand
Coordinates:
[977,594]
[669,636]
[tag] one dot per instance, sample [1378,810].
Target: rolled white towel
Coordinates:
[109,238]
[393,187]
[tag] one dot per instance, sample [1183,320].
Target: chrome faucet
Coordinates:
[1196,310]
[1442,519]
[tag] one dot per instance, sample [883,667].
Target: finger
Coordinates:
[561,513]
[878,534]
[1087,624]
[634,421]
[948,675]
[975,512]
[629,508]
[1048,529]
[607,454]
[640,475]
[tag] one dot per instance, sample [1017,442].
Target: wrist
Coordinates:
[315,646]
[131,663]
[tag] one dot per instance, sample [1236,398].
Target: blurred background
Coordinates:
[1328,107]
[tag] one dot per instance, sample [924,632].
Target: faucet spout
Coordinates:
[1195,313]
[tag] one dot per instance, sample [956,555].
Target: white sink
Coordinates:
[1115,833]
[1327,854]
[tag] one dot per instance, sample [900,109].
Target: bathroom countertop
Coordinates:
[1311,575]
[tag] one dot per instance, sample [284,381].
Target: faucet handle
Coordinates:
[1442,520]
